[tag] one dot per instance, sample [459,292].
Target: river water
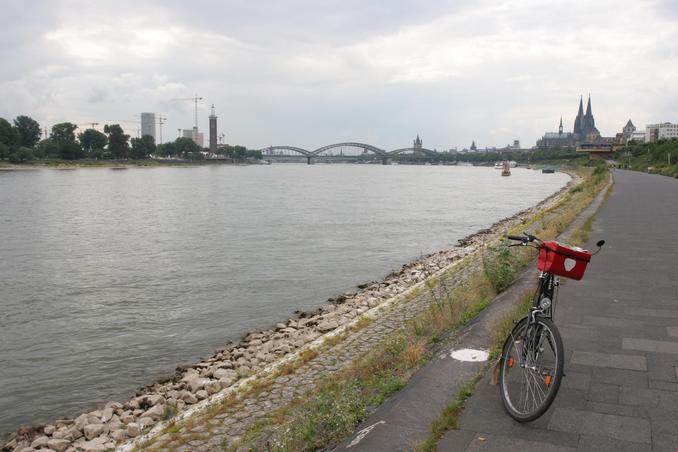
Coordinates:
[109,279]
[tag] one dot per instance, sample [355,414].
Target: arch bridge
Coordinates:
[383,154]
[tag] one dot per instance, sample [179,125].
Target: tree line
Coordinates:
[660,156]
[21,142]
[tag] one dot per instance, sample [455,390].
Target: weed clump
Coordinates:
[500,266]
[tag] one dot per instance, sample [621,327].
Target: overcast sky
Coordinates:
[314,72]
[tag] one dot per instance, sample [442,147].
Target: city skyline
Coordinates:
[309,74]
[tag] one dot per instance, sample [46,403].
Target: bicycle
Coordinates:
[532,359]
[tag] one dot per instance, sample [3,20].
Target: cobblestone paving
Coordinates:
[214,432]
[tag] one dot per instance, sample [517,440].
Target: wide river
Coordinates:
[109,279]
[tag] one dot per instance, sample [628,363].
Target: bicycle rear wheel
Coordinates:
[531,368]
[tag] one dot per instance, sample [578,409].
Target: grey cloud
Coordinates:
[305,72]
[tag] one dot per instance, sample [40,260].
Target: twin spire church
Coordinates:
[584,131]
[584,124]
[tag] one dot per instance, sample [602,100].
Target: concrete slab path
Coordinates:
[619,327]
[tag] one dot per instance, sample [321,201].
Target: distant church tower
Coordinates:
[584,125]
[560,129]
[417,145]
[213,132]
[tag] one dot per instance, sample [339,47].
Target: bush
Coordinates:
[330,417]
[22,154]
[501,266]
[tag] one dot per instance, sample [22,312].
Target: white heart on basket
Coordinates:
[569,264]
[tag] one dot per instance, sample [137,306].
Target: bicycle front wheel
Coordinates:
[531,368]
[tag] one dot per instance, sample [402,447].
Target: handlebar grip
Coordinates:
[520,238]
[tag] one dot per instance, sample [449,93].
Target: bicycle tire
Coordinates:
[530,373]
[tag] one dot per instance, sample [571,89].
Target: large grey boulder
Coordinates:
[93,430]
[327,326]
[155,412]
[133,430]
[59,445]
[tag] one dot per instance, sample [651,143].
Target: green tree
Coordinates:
[92,140]
[63,132]
[254,154]
[63,136]
[23,154]
[4,151]
[186,147]
[118,144]
[143,147]
[46,148]
[28,130]
[168,149]
[8,134]
[239,152]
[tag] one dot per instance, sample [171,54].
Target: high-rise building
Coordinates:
[194,135]
[213,132]
[148,124]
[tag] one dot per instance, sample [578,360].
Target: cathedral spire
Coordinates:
[588,106]
[579,120]
[560,128]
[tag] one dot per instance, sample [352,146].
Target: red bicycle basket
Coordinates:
[562,260]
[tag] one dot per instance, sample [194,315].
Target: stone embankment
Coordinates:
[258,354]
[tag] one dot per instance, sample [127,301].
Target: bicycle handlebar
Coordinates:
[525,238]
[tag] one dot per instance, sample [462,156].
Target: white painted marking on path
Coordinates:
[363,433]
[469,355]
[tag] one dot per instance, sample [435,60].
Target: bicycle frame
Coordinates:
[545,297]
[543,303]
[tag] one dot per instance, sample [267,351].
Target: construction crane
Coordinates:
[160,123]
[92,124]
[125,121]
[195,100]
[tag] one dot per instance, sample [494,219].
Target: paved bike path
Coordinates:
[620,331]
[405,419]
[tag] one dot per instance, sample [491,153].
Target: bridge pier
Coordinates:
[310,160]
[385,161]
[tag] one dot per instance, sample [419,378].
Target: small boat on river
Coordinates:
[506,168]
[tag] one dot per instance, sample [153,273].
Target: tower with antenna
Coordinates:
[213,132]
[161,121]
